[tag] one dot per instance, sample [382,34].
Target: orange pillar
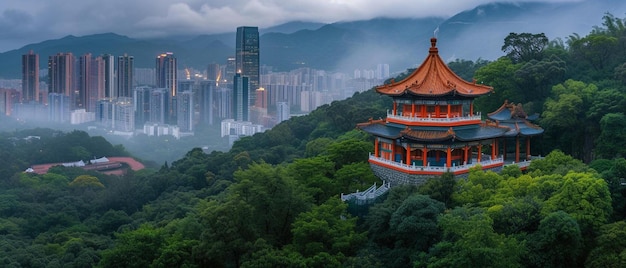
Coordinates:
[423,111]
[395,107]
[424,157]
[466,160]
[493,149]
[437,110]
[471,108]
[448,110]
[412,109]
[393,148]
[497,143]
[449,157]
[408,154]
[528,148]
[376,147]
[480,150]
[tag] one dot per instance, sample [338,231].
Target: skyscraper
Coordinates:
[166,72]
[141,100]
[166,78]
[61,74]
[247,56]
[30,77]
[125,76]
[205,97]
[241,98]
[213,72]
[85,67]
[109,76]
[185,112]
[229,71]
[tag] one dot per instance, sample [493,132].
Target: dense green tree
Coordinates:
[470,241]
[612,140]
[440,188]
[500,74]
[524,47]
[557,243]
[326,235]
[466,68]
[275,198]
[586,197]
[610,250]
[137,248]
[316,173]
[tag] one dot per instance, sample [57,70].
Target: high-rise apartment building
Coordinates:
[109,75]
[61,74]
[30,77]
[241,98]
[125,76]
[247,56]
[185,111]
[229,71]
[141,104]
[166,72]
[159,105]
[58,107]
[213,72]
[283,111]
[85,67]
[205,97]
[166,77]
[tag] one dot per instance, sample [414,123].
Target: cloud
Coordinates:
[29,20]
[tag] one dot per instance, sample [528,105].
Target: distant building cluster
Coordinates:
[107,91]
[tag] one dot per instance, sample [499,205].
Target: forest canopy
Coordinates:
[272,200]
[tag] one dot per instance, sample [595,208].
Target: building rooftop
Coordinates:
[434,78]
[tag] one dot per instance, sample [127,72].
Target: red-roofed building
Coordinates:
[433,128]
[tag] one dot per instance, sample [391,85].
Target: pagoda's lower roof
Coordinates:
[523,128]
[434,134]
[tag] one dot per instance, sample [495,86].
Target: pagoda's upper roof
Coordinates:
[434,78]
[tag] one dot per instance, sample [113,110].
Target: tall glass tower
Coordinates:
[30,77]
[166,77]
[247,57]
[125,71]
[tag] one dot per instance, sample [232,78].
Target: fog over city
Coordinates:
[366,44]
[27,21]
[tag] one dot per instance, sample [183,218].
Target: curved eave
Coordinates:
[380,130]
[434,78]
[522,128]
[480,133]
[502,113]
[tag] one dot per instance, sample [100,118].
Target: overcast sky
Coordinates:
[31,21]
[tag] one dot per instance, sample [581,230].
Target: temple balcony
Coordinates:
[454,120]
[486,163]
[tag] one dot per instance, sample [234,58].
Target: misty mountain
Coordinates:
[345,46]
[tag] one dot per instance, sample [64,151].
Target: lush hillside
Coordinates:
[273,199]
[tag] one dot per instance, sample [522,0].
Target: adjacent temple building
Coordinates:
[433,127]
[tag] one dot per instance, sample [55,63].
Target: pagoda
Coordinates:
[433,128]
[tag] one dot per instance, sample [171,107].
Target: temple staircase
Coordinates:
[368,196]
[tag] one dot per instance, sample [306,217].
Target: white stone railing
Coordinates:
[435,119]
[370,194]
[404,166]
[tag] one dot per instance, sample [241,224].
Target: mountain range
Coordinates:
[347,45]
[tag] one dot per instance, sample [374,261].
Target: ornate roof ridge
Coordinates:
[502,107]
[371,121]
[434,78]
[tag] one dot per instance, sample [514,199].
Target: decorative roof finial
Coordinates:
[436,32]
